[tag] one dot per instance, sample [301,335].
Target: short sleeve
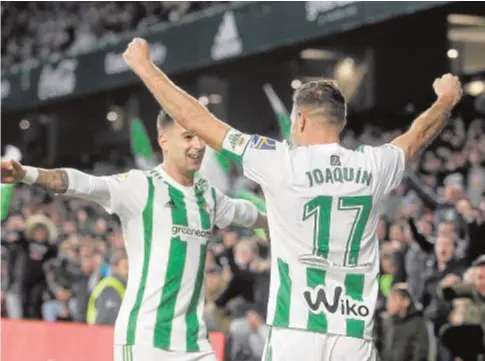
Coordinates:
[391,165]
[128,193]
[262,158]
[229,210]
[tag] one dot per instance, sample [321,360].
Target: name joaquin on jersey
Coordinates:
[178,230]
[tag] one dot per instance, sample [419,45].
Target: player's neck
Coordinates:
[186,180]
[316,137]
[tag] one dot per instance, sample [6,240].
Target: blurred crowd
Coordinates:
[56,250]
[432,235]
[36,31]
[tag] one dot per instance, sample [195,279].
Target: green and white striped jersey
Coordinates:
[166,227]
[323,204]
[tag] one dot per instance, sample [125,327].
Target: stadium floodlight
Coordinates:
[452,53]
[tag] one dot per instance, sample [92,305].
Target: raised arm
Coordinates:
[429,124]
[123,194]
[63,180]
[421,240]
[182,107]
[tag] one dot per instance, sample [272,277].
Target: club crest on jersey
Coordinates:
[207,208]
[236,140]
[201,185]
[263,143]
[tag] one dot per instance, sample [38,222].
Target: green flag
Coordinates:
[11,152]
[281,113]
[216,168]
[7,190]
[141,146]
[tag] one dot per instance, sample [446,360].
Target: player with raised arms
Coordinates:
[323,204]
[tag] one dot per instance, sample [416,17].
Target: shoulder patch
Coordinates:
[235,142]
[263,143]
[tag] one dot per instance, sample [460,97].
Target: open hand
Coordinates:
[12,171]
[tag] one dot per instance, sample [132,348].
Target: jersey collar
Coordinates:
[167,178]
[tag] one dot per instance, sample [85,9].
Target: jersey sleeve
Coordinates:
[262,158]
[128,193]
[229,210]
[391,165]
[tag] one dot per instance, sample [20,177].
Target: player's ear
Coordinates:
[302,121]
[344,124]
[162,141]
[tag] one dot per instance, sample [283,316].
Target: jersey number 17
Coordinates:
[320,208]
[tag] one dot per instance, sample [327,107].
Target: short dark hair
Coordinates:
[322,98]
[163,120]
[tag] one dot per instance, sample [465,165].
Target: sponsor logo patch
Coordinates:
[319,301]
[182,230]
[263,143]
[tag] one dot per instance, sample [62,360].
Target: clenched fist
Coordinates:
[448,87]
[137,54]
[12,171]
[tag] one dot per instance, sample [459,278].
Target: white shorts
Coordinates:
[149,353]
[285,344]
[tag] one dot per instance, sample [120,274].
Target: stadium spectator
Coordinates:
[473,291]
[464,336]
[105,299]
[404,331]
[29,252]
[61,275]
[39,31]
[444,268]
[419,254]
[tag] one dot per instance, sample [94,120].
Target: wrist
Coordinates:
[30,176]
[144,68]
[446,102]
